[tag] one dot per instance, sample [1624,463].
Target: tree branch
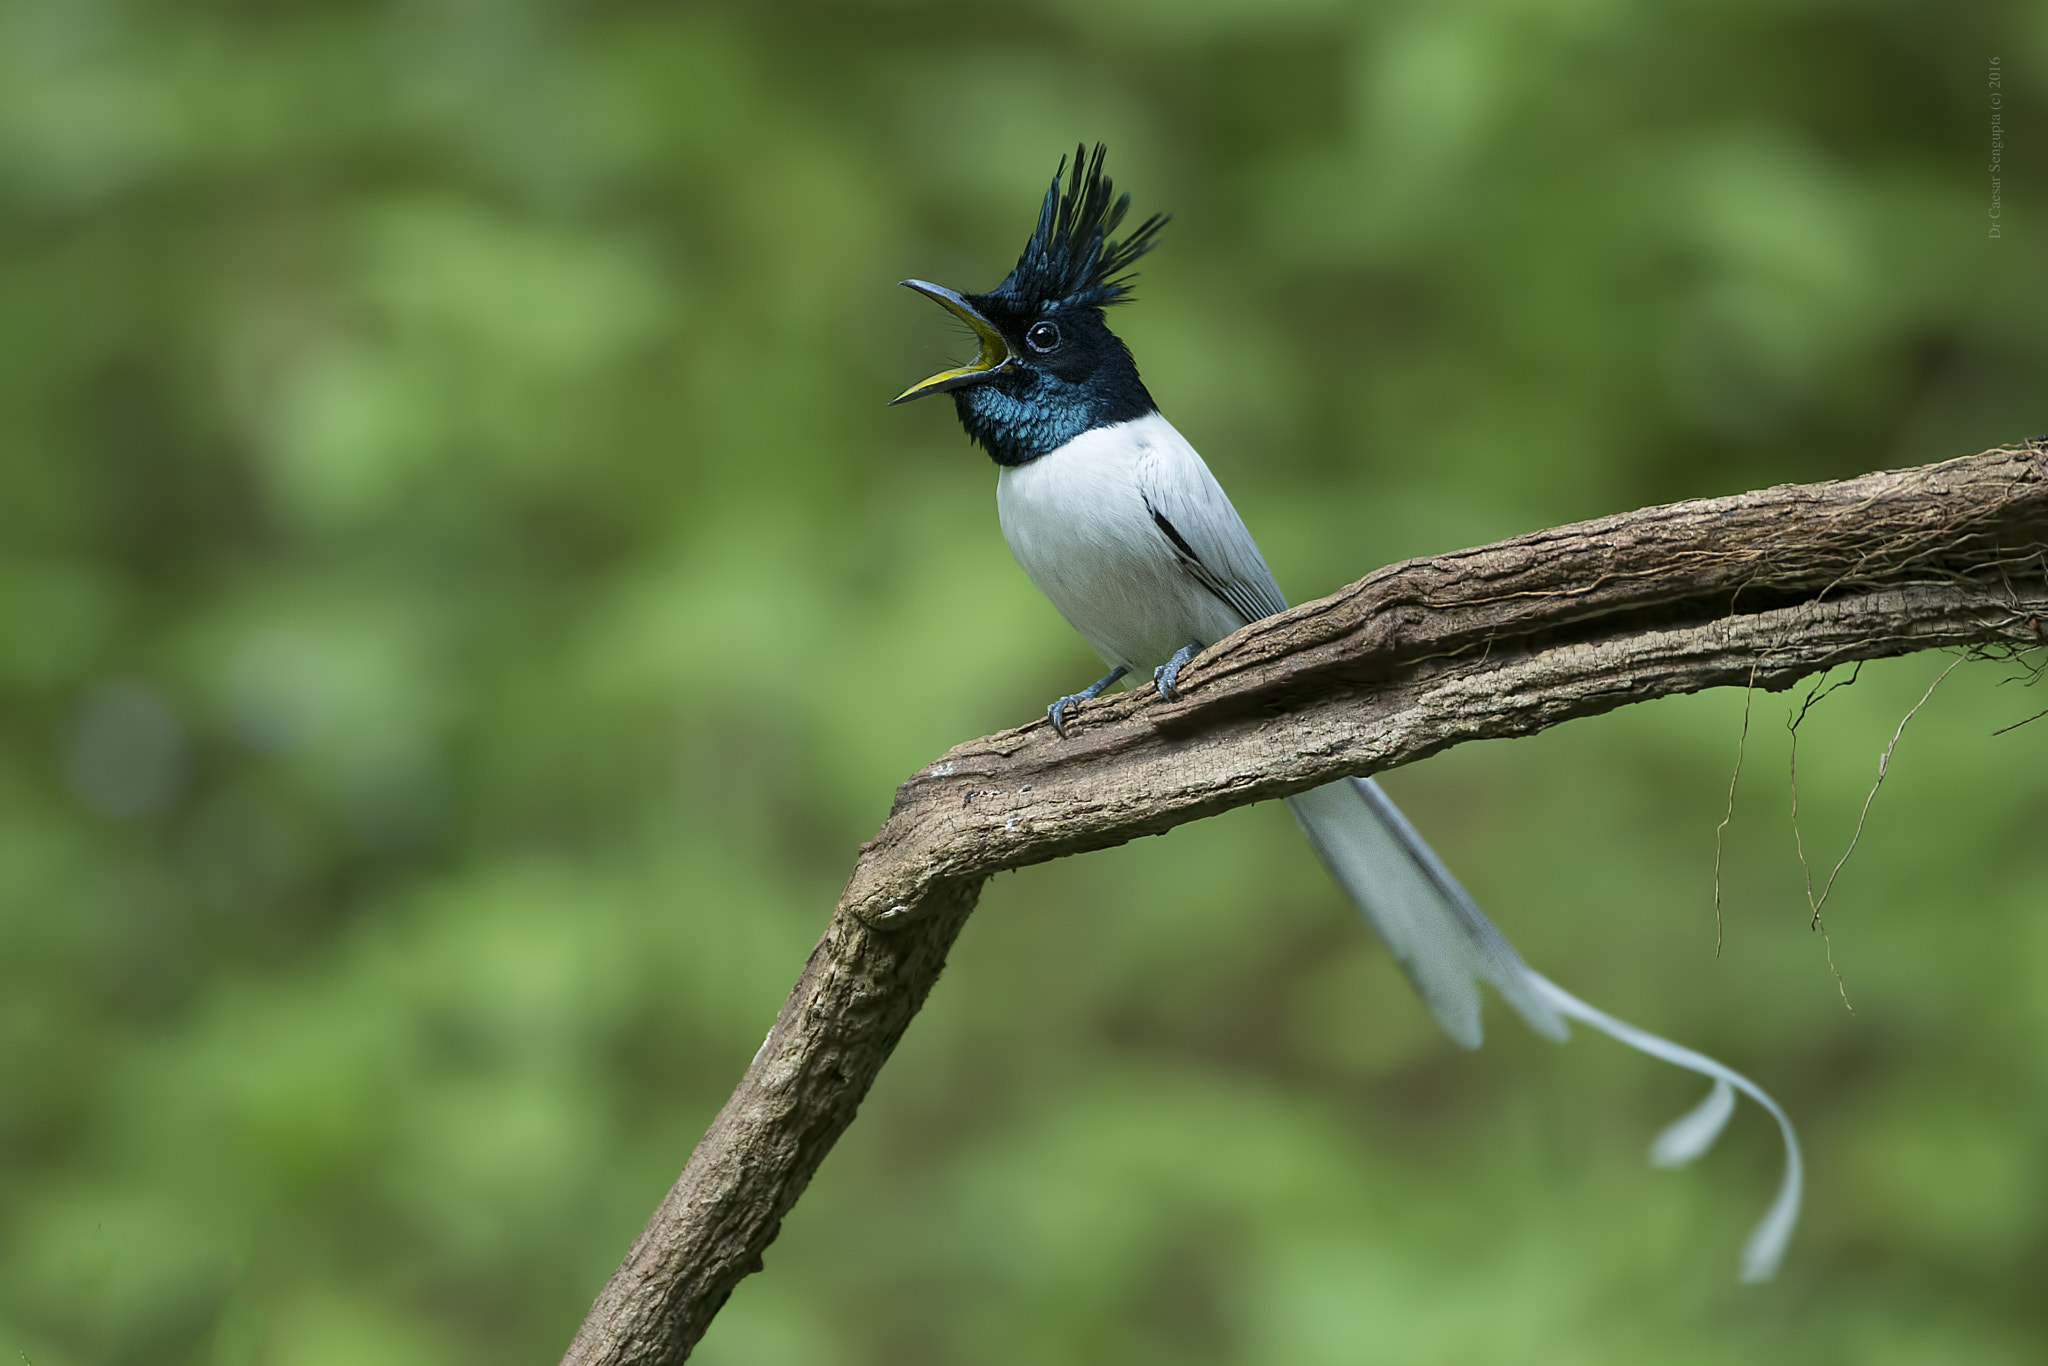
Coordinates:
[1504,640]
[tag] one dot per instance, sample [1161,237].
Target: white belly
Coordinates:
[1077,522]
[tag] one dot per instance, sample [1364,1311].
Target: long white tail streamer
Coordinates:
[1446,946]
[1693,1132]
[1696,1131]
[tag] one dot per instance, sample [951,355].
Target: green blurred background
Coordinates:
[463,601]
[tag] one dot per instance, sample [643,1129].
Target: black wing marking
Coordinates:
[1237,595]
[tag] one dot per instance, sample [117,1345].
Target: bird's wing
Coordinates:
[1208,537]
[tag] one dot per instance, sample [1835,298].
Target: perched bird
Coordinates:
[1115,517]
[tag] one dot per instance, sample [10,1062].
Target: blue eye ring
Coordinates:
[1043,337]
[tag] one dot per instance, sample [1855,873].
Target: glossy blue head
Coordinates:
[1050,368]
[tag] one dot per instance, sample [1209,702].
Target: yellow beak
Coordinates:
[995,354]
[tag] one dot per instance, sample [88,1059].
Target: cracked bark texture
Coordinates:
[1507,639]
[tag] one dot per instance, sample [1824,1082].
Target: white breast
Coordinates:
[1078,523]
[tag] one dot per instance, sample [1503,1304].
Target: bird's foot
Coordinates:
[1057,712]
[1166,673]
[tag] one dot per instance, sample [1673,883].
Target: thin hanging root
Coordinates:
[1827,947]
[1884,764]
[1814,695]
[2007,730]
[1799,843]
[2030,673]
[1741,744]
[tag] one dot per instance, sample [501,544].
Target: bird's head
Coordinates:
[1050,368]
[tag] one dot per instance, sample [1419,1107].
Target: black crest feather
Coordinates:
[1070,259]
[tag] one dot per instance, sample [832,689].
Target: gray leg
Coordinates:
[1058,710]
[1170,670]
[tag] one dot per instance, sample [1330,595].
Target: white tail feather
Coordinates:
[1693,1132]
[1446,946]
[1439,936]
[1766,1245]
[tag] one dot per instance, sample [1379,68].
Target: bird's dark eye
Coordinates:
[1042,337]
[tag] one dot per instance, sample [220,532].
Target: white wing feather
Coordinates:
[1202,527]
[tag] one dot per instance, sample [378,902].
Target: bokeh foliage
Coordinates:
[462,602]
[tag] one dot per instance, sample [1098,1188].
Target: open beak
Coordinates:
[995,354]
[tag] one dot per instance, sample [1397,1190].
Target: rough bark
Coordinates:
[1508,639]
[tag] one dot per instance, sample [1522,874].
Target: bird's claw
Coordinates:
[1057,712]
[1163,677]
